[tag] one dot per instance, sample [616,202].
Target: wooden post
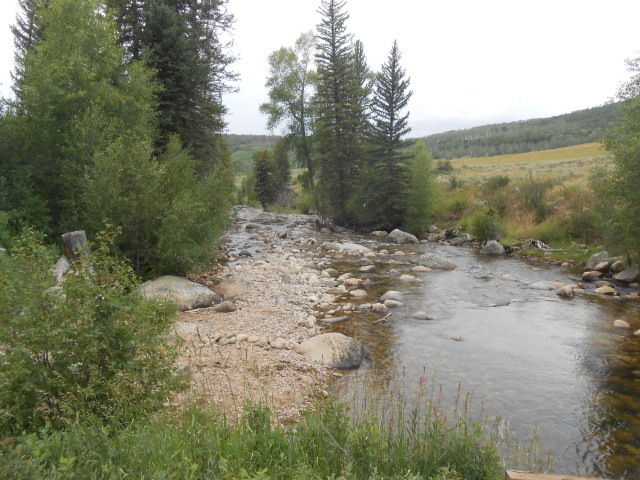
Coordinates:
[75,246]
[516,475]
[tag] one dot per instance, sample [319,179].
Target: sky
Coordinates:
[470,62]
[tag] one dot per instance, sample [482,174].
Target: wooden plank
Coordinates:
[517,475]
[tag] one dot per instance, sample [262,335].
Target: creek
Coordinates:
[537,361]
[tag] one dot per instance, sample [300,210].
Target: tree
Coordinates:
[265,185]
[619,187]
[78,95]
[389,175]
[281,166]
[291,83]
[340,111]
[26,32]
[421,194]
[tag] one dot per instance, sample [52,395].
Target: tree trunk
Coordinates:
[75,246]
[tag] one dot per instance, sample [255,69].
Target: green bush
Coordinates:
[495,183]
[484,224]
[88,348]
[533,194]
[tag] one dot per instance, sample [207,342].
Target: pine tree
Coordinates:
[265,186]
[389,177]
[26,32]
[340,112]
[281,166]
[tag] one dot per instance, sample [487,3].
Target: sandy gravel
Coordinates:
[246,354]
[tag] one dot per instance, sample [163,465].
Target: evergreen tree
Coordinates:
[265,185]
[340,112]
[388,178]
[421,195]
[26,31]
[281,166]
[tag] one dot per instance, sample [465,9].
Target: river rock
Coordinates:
[420,268]
[347,247]
[398,236]
[598,258]
[602,267]
[421,316]
[327,298]
[432,260]
[492,248]
[630,275]
[604,283]
[379,308]
[393,295]
[191,332]
[352,282]
[546,285]
[225,307]
[368,283]
[187,294]
[637,333]
[407,278]
[621,324]
[393,304]
[334,350]
[605,291]
[566,292]
[591,276]
[617,266]
[367,269]
[379,233]
[358,294]
[251,226]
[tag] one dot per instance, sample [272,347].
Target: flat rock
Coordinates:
[433,260]
[591,276]
[420,268]
[187,294]
[393,304]
[621,324]
[606,290]
[421,316]
[368,269]
[346,247]
[546,285]
[398,236]
[393,295]
[379,233]
[407,278]
[334,350]
[630,275]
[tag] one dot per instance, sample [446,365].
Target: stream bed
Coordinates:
[539,362]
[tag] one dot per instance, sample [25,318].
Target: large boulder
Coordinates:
[630,275]
[335,350]
[432,260]
[398,236]
[347,247]
[492,248]
[187,294]
[598,258]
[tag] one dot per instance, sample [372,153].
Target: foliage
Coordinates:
[496,182]
[387,178]
[620,186]
[341,103]
[201,444]
[421,196]
[582,126]
[533,193]
[68,112]
[265,186]
[485,225]
[170,219]
[444,167]
[88,348]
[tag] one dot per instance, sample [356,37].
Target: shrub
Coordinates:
[533,193]
[495,183]
[89,347]
[485,224]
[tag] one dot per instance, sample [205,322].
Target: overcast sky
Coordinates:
[471,62]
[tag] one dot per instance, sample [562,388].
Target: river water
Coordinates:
[538,362]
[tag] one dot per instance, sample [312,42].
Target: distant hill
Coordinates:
[243,146]
[582,126]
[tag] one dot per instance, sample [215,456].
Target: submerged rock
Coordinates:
[393,295]
[431,260]
[347,247]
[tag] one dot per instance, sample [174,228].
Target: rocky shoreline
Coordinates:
[276,292]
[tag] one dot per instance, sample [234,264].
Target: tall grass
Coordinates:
[382,436]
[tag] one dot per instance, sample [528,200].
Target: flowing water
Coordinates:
[539,362]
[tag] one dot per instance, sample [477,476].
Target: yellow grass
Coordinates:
[574,161]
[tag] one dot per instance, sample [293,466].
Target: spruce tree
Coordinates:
[340,112]
[421,194]
[386,195]
[265,187]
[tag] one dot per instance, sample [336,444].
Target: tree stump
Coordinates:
[75,246]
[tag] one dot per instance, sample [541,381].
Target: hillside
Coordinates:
[579,127]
